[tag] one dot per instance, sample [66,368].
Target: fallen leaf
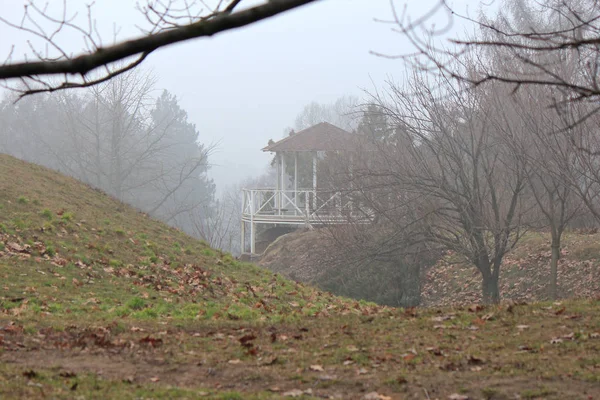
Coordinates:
[435,351]
[151,341]
[155,379]
[488,317]
[317,368]
[476,308]
[246,340]
[30,374]
[473,360]
[236,361]
[457,396]
[15,247]
[293,393]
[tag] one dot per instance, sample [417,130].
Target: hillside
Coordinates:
[100,301]
[80,251]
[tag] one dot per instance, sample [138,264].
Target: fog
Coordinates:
[244,87]
[440,148]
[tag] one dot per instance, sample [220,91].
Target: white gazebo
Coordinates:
[291,204]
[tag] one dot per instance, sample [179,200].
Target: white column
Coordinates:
[295,181]
[315,180]
[243,238]
[252,238]
[252,225]
[277,185]
[283,182]
[351,183]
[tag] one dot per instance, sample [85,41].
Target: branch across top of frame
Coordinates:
[84,63]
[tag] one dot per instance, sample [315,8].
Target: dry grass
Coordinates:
[98,301]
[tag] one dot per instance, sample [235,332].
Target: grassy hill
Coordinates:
[99,301]
[79,252]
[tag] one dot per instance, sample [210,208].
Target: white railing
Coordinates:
[298,206]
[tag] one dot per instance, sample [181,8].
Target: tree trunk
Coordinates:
[554,268]
[490,289]
[411,286]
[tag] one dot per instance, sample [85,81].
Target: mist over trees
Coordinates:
[119,137]
[477,147]
[486,142]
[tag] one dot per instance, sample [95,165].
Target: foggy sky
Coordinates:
[244,87]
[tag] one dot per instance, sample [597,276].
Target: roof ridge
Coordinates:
[266,148]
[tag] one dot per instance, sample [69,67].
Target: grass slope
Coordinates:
[99,301]
[71,251]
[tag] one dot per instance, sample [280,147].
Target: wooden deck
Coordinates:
[298,207]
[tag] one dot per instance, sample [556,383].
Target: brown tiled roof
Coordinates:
[320,137]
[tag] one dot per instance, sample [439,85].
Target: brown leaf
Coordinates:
[457,396]
[318,368]
[155,379]
[246,340]
[30,374]
[16,247]
[154,342]
[473,360]
[476,308]
[488,317]
[435,351]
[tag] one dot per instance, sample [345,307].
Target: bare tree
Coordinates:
[529,42]
[553,171]
[169,22]
[446,177]
[341,113]
[547,56]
